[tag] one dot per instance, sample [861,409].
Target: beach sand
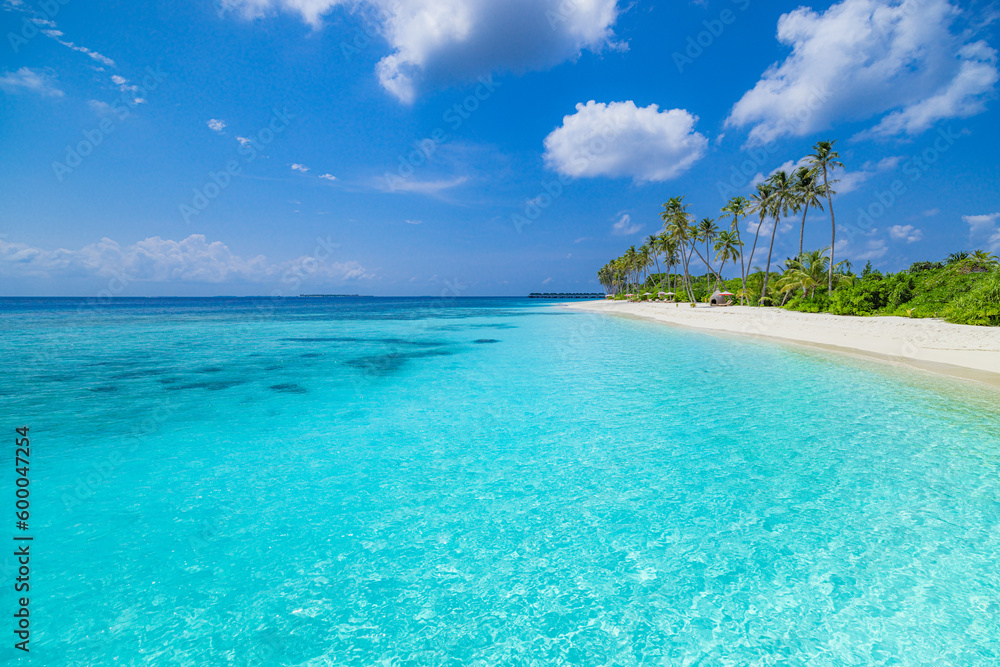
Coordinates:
[952,349]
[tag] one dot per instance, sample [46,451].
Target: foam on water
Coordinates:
[362,481]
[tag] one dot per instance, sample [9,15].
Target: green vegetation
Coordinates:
[964,288]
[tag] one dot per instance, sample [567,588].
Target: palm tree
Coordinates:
[675,223]
[706,231]
[645,260]
[985,258]
[761,205]
[782,201]
[807,191]
[805,272]
[736,207]
[957,256]
[727,247]
[825,159]
[668,247]
[654,247]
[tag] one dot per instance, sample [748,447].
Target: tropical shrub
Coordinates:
[918,267]
[864,297]
[817,303]
[979,306]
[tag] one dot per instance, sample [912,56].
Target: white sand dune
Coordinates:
[953,349]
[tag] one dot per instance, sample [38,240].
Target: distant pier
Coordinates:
[566,295]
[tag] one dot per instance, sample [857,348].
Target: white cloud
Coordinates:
[863,58]
[397,184]
[620,139]
[847,181]
[547,281]
[244,141]
[907,233]
[32,80]
[872,249]
[329,177]
[57,36]
[441,41]
[154,259]
[931,212]
[984,228]
[981,223]
[300,167]
[216,125]
[414,222]
[624,226]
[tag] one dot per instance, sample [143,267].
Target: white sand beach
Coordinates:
[953,349]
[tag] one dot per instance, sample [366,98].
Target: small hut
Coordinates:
[720,299]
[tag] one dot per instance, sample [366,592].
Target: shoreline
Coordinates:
[956,350]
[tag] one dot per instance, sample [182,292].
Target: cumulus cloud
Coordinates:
[154,259]
[329,177]
[984,228]
[31,80]
[871,249]
[216,125]
[624,226]
[442,41]
[907,233]
[621,139]
[861,59]
[300,167]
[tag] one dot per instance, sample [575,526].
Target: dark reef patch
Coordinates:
[217,385]
[384,364]
[485,340]
[288,388]
[357,339]
[311,355]
[105,389]
[138,374]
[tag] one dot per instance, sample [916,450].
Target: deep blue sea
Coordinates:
[485,482]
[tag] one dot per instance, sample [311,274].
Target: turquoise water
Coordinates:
[483,482]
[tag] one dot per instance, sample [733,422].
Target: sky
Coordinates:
[471,147]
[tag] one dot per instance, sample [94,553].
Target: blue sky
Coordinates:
[477,147]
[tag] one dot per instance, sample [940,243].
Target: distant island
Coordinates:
[327,295]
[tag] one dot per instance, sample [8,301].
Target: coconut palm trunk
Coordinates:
[833,230]
[802,229]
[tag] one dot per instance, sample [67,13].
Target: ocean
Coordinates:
[464,481]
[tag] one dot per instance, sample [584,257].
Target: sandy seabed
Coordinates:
[953,349]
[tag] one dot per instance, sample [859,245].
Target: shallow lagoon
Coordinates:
[367,481]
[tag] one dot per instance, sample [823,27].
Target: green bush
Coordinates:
[902,290]
[918,267]
[817,303]
[979,306]
[864,297]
